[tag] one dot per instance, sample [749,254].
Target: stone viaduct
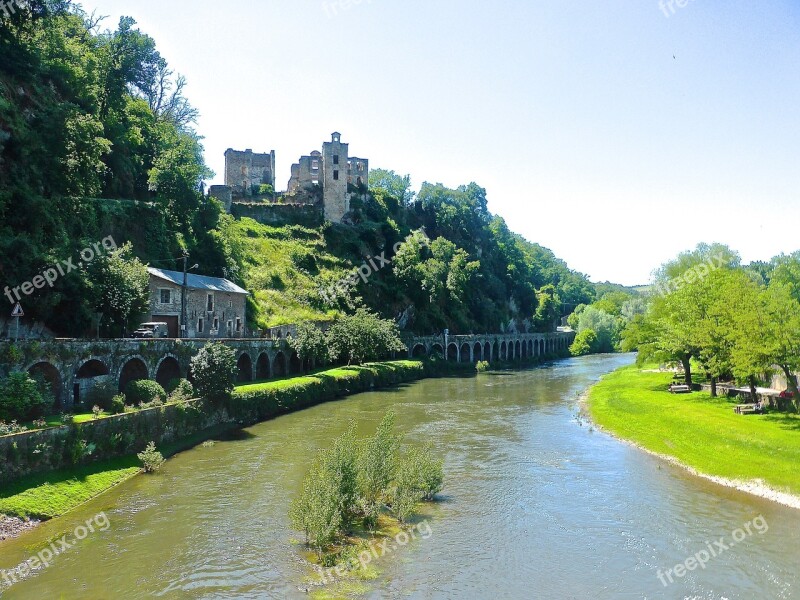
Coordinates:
[74,367]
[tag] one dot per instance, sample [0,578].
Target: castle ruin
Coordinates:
[326,179]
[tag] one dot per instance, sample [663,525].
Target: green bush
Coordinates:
[117,405]
[144,391]
[181,390]
[22,398]
[214,370]
[152,459]
[482,366]
[585,343]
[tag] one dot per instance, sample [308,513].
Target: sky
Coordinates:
[616,133]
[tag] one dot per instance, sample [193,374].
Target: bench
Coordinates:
[747,409]
[679,389]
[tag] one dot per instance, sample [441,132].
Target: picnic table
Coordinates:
[679,389]
[748,409]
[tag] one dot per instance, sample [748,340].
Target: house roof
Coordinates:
[198,282]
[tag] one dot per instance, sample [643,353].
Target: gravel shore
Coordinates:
[11,527]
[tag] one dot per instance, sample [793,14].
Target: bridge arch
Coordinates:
[503,350]
[465,353]
[518,350]
[279,365]
[477,352]
[168,368]
[437,350]
[295,364]
[487,352]
[263,369]
[418,351]
[134,369]
[50,375]
[244,366]
[452,352]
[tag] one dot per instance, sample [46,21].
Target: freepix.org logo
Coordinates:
[49,276]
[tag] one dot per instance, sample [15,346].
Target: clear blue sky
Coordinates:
[605,130]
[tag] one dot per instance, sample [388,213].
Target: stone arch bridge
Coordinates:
[74,367]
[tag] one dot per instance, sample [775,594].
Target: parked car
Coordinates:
[151,330]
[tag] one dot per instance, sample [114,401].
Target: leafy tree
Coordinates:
[548,311]
[363,337]
[214,371]
[22,398]
[377,463]
[392,184]
[309,342]
[585,343]
[121,288]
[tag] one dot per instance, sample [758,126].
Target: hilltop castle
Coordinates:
[328,178]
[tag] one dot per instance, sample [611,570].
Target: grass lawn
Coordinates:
[700,431]
[49,495]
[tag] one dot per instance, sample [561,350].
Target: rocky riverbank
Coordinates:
[11,527]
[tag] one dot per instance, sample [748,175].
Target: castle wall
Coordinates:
[246,169]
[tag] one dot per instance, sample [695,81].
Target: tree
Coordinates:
[362,337]
[392,184]
[214,370]
[120,283]
[309,342]
[377,464]
[585,343]
[22,398]
[548,311]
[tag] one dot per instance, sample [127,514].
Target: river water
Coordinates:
[536,504]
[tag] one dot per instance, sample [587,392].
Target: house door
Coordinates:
[172,324]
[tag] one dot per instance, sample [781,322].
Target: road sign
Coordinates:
[18,312]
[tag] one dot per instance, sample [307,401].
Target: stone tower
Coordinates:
[336,200]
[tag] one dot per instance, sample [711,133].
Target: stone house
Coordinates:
[215,307]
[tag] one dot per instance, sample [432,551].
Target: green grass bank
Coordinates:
[756,453]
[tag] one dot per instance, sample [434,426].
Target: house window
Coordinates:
[166,296]
[336,175]
[230,327]
[200,325]
[230,303]
[238,325]
[210,303]
[336,159]
[314,165]
[216,323]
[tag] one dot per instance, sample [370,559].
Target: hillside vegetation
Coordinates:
[97,139]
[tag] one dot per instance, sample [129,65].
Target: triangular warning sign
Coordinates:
[18,312]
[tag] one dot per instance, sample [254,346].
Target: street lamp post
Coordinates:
[184,325]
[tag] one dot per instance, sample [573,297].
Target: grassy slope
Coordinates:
[285,265]
[700,431]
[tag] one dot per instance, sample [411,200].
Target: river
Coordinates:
[536,504]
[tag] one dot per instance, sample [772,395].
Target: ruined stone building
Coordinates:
[328,178]
[245,170]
